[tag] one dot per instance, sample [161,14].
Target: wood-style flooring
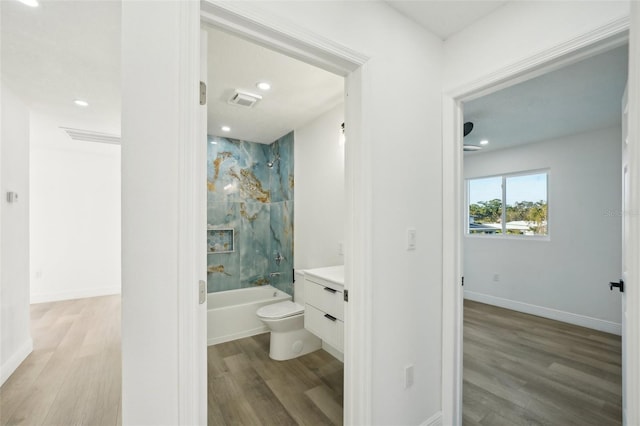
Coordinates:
[518,370]
[246,387]
[521,369]
[73,375]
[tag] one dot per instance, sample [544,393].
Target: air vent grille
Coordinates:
[91,136]
[244,99]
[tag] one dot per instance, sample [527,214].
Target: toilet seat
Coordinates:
[280,310]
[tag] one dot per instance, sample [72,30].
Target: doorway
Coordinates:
[552,62]
[274,151]
[326,55]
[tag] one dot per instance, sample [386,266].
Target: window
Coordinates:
[513,204]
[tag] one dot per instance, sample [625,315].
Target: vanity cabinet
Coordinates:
[324,305]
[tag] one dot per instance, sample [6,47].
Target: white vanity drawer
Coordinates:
[327,297]
[328,328]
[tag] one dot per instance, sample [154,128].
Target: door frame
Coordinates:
[254,24]
[563,54]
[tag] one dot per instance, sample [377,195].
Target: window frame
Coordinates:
[503,217]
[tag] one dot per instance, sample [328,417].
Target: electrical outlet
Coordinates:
[408,376]
[340,248]
[496,278]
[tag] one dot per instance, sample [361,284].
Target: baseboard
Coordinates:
[7,368]
[235,336]
[541,311]
[333,351]
[76,294]
[435,420]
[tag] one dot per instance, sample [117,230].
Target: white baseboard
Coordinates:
[75,294]
[541,311]
[333,351]
[435,420]
[14,361]
[235,336]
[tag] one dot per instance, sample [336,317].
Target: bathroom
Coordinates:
[275,205]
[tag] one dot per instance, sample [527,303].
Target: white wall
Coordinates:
[319,199]
[15,338]
[75,214]
[566,276]
[519,30]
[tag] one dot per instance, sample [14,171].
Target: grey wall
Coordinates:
[568,272]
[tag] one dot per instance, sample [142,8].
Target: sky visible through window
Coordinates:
[519,188]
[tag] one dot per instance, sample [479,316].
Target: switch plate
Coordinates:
[411,239]
[496,278]
[340,248]
[408,376]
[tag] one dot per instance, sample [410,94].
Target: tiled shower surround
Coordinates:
[243,193]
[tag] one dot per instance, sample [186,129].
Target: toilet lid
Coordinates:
[280,310]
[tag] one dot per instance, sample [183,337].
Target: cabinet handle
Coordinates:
[330,290]
[331,317]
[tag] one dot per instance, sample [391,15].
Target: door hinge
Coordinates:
[463,281]
[202,292]
[203,93]
[346,295]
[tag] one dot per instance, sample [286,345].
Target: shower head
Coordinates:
[271,163]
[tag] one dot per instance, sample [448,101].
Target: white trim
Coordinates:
[631,343]
[333,351]
[75,294]
[435,420]
[585,45]
[249,21]
[192,347]
[14,361]
[235,336]
[542,311]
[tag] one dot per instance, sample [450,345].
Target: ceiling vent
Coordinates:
[91,136]
[244,99]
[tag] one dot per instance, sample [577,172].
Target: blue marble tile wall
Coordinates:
[245,194]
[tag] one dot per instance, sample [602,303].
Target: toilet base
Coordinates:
[291,344]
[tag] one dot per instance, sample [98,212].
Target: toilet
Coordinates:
[285,320]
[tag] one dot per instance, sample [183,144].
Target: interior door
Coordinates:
[625,239]
[631,229]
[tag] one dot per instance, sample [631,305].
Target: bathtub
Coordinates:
[232,315]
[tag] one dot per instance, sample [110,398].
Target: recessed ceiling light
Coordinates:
[30,3]
[484,142]
[263,85]
[81,103]
[225,128]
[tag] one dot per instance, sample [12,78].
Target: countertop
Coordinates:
[334,274]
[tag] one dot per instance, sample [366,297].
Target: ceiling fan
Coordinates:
[468,127]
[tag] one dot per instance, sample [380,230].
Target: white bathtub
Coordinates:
[232,315]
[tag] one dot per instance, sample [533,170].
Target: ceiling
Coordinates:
[65,50]
[299,92]
[445,17]
[578,98]
[62,51]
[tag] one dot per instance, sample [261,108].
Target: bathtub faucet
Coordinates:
[279,258]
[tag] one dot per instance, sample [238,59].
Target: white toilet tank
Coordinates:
[298,287]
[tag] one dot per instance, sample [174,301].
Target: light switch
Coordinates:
[411,239]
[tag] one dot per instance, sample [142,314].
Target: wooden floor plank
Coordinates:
[244,382]
[524,369]
[73,375]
